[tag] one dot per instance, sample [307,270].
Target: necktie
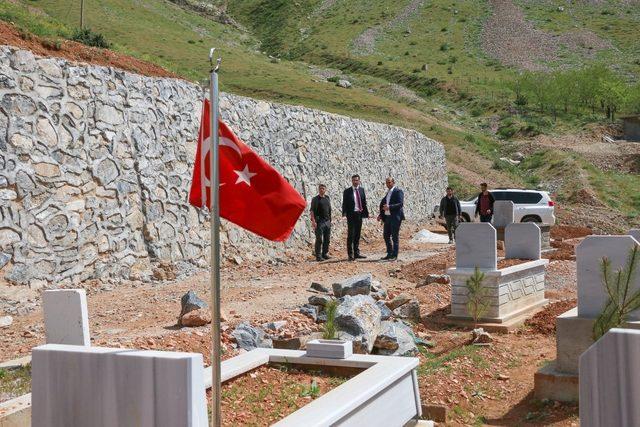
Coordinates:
[358,202]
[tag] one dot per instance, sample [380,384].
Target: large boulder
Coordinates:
[360,317]
[395,339]
[356,285]
[190,302]
[248,337]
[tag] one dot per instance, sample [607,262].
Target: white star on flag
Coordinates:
[245,175]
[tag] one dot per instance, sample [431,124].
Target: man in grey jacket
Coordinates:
[452,212]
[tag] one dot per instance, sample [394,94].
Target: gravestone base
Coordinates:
[545,234]
[549,383]
[16,412]
[514,292]
[573,337]
[502,326]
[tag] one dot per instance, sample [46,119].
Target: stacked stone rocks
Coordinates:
[95,167]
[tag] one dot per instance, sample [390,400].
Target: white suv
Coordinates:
[530,205]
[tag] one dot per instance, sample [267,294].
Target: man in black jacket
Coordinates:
[392,215]
[321,222]
[354,208]
[452,212]
[484,204]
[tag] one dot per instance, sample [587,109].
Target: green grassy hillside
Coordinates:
[431,65]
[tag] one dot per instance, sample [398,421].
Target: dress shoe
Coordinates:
[384,258]
[326,257]
[360,256]
[319,259]
[393,258]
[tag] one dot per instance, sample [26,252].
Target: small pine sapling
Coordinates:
[329,332]
[477,296]
[621,302]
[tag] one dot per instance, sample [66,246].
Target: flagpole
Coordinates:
[216,414]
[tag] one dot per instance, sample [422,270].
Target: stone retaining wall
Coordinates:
[95,167]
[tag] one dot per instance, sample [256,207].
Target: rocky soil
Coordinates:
[513,40]
[490,384]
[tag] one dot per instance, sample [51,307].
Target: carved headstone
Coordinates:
[476,246]
[503,213]
[592,295]
[66,318]
[522,241]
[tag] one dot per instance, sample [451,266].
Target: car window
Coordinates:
[501,195]
[522,197]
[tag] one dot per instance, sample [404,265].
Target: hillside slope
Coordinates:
[440,67]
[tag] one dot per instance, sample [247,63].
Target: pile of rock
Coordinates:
[194,311]
[365,316]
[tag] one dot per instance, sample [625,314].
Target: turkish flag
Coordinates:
[253,194]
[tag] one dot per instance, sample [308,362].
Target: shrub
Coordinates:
[333,79]
[445,47]
[89,38]
[476,112]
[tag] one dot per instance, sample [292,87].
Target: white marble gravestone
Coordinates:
[522,240]
[502,213]
[76,386]
[635,233]
[476,246]
[66,319]
[609,381]
[592,295]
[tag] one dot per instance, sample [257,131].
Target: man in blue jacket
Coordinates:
[392,215]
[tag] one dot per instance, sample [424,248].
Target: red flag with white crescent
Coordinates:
[253,195]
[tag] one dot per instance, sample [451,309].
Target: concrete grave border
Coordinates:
[385,393]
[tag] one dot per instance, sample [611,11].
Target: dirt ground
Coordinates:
[479,385]
[10,35]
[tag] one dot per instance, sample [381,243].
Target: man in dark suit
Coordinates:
[354,208]
[392,215]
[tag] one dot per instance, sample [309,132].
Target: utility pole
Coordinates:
[82,14]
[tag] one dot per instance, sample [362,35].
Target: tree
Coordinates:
[632,104]
[477,296]
[612,96]
[620,301]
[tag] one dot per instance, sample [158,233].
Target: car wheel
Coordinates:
[465,218]
[531,218]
